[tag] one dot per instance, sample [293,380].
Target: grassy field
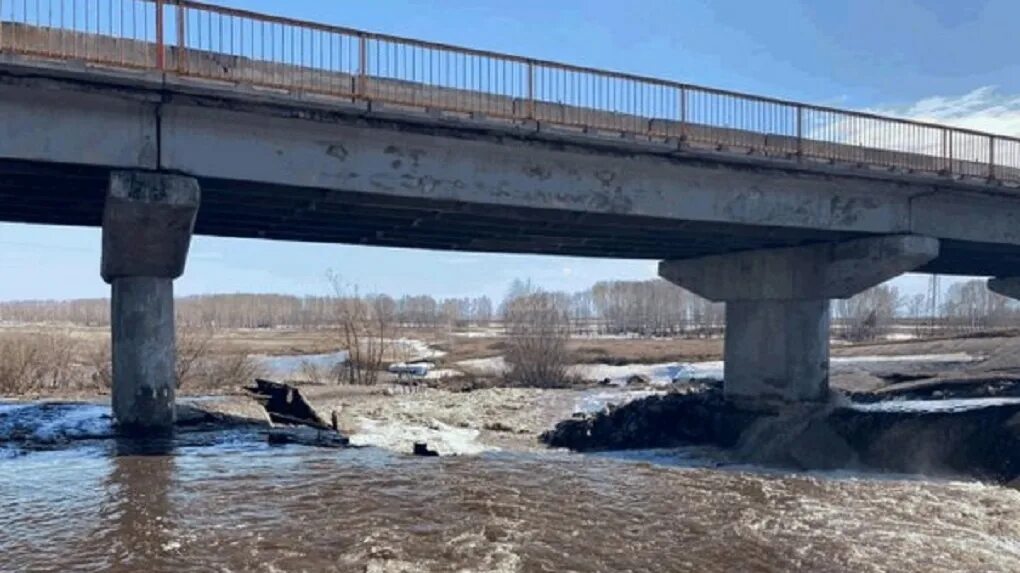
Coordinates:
[55,358]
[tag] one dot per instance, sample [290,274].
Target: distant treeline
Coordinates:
[652,307]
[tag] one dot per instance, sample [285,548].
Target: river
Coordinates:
[226,501]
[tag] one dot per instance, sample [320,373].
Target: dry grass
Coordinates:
[41,363]
[645,350]
[63,362]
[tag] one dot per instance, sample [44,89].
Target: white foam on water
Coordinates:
[401,437]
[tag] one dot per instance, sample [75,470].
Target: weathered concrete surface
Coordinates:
[301,168]
[777,350]
[777,306]
[147,225]
[826,271]
[144,352]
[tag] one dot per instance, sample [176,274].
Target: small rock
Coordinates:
[497,427]
[638,380]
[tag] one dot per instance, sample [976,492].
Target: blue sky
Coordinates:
[942,60]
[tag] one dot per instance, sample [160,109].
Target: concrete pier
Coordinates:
[777,306]
[148,220]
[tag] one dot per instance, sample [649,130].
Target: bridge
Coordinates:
[156,119]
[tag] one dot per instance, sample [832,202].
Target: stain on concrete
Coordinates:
[605,176]
[148,155]
[338,151]
[414,155]
[538,172]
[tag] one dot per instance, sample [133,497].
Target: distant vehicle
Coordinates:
[410,369]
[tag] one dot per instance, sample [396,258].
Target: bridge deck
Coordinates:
[698,171]
[208,42]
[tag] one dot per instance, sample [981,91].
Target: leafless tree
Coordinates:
[868,315]
[365,328]
[538,329]
[37,362]
[970,306]
[192,348]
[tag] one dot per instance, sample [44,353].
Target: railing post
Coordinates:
[160,42]
[683,113]
[181,39]
[947,151]
[800,131]
[991,157]
[362,66]
[531,90]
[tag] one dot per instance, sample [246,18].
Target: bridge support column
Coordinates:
[777,306]
[147,224]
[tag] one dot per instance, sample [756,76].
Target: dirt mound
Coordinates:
[975,438]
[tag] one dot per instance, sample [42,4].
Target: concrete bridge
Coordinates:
[189,118]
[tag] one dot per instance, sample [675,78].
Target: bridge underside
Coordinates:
[64,194]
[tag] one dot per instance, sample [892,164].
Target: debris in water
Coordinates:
[422,449]
[302,424]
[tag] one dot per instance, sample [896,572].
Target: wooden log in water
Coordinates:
[286,405]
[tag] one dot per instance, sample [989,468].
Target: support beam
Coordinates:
[777,311]
[148,220]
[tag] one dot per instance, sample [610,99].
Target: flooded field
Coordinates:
[226,501]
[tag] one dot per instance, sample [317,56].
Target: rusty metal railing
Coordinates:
[197,40]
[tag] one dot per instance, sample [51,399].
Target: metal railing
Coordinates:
[197,40]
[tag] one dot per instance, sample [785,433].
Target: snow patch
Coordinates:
[945,405]
[289,365]
[492,366]
[596,401]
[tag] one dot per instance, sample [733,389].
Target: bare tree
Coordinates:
[867,315]
[970,306]
[365,329]
[538,329]
[192,348]
[36,362]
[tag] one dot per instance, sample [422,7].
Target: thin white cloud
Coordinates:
[984,109]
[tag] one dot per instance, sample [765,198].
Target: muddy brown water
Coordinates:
[228,502]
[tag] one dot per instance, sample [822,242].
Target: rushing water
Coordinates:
[229,502]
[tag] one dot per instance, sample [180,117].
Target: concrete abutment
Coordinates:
[148,220]
[777,306]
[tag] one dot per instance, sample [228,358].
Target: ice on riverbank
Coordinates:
[47,423]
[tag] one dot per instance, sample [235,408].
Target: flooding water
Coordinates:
[227,502]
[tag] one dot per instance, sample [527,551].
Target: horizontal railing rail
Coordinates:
[199,40]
